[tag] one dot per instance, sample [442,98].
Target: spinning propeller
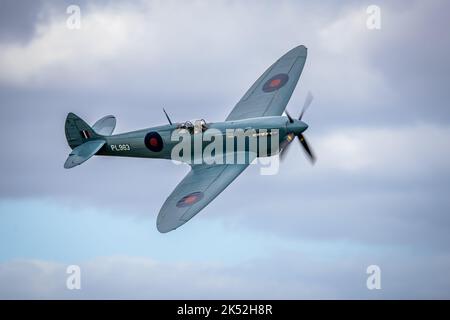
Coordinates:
[300,136]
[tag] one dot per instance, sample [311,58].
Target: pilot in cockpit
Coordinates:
[199,126]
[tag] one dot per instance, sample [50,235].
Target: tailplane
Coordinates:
[83,152]
[84,140]
[105,126]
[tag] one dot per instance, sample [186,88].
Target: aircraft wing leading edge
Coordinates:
[270,94]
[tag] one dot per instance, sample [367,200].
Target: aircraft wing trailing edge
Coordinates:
[200,186]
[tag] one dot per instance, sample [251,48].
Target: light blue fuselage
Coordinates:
[134,144]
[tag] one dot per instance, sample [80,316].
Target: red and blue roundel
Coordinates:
[153,141]
[276,82]
[190,199]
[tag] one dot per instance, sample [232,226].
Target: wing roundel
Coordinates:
[201,185]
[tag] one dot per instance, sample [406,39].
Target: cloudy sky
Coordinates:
[380,126]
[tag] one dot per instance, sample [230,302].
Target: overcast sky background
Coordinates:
[378,194]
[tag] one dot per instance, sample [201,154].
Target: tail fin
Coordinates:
[78,131]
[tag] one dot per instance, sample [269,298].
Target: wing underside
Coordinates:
[200,186]
[270,94]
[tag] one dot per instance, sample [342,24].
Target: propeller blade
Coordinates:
[309,98]
[307,149]
[285,145]
[284,152]
[291,120]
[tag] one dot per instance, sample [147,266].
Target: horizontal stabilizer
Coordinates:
[105,126]
[83,152]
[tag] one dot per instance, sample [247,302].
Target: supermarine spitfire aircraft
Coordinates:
[260,109]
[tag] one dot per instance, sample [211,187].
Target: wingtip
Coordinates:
[163,229]
[298,51]
[302,48]
[69,165]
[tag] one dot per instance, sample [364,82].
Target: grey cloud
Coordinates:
[295,275]
[407,55]
[411,51]
[18,20]
[202,74]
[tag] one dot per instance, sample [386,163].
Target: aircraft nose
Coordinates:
[297,127]
[303,125]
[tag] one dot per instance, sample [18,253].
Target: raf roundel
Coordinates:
[153,141]
[190,199]
[276,82]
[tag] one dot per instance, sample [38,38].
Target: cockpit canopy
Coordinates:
[198,126]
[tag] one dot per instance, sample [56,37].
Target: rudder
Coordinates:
[78,131]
